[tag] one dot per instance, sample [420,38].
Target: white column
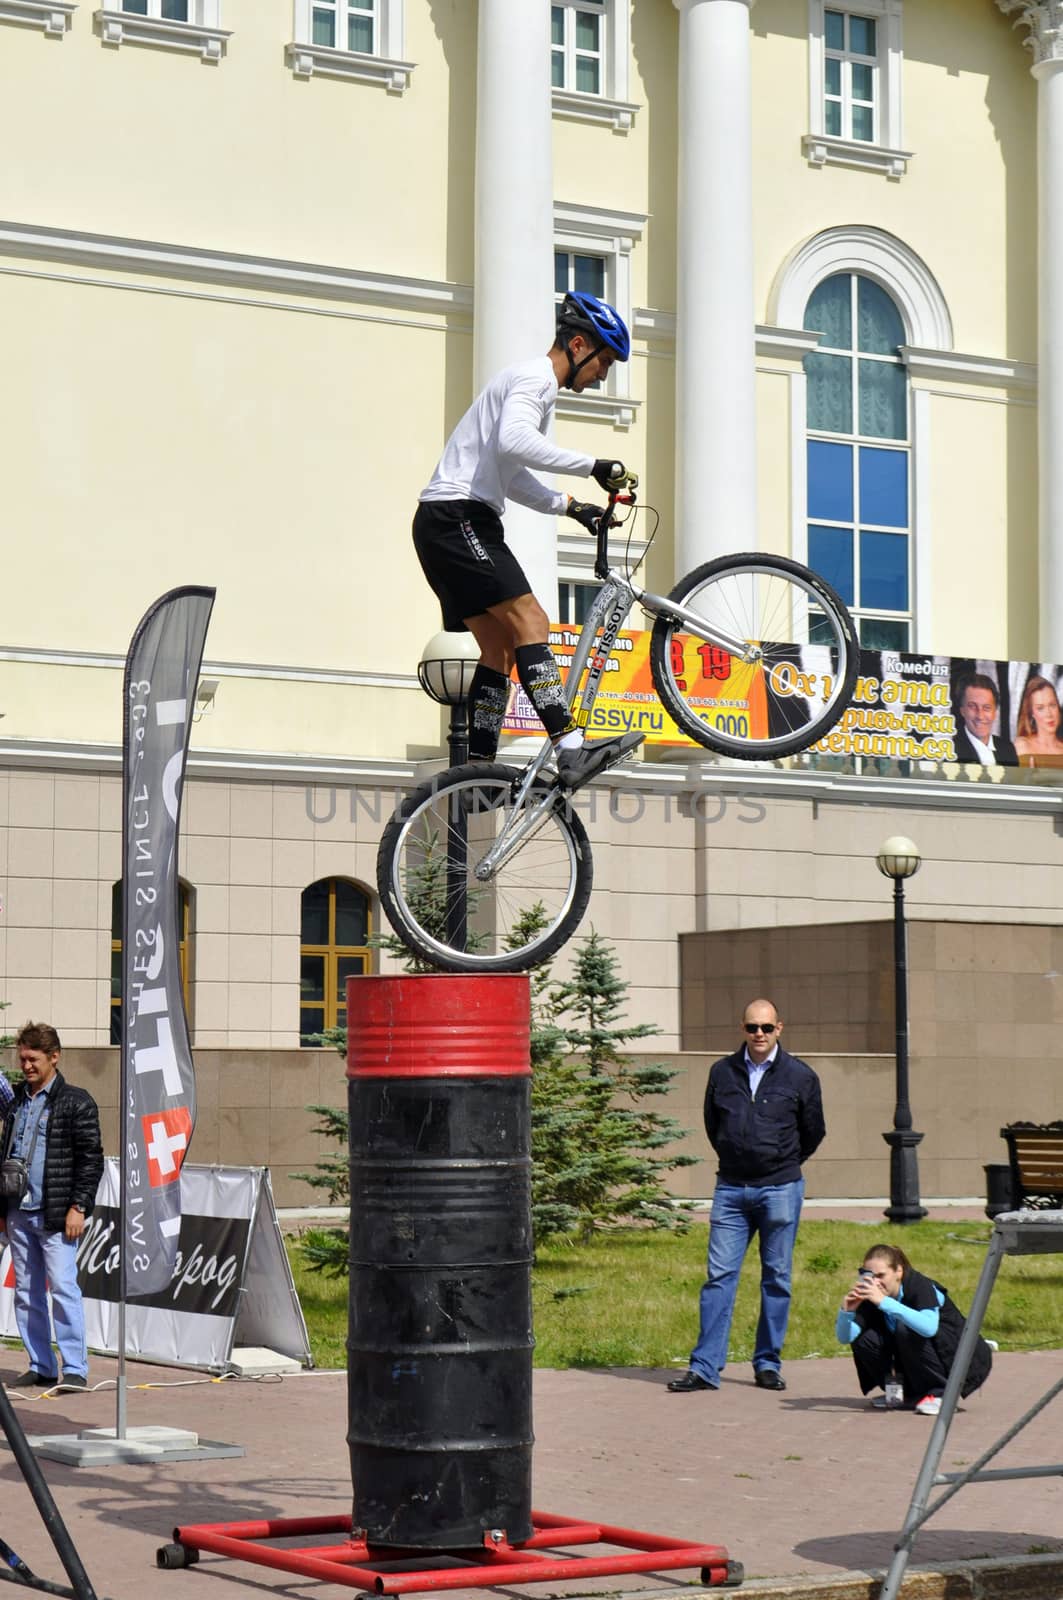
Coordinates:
[716,488]
[1045,39]
[514,289]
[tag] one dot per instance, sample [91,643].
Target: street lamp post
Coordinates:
[898,858]
[445,672]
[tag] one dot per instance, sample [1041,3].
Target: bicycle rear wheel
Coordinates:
[795,676]
[460,913]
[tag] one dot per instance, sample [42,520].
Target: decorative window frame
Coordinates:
[612,108]
[54,16]
[825,149]
[881,256]
[590,230]
[203,37]
[386,66]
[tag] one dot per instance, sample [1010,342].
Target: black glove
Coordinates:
[582,511]
[608,475]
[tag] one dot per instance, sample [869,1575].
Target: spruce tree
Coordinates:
[597,1151]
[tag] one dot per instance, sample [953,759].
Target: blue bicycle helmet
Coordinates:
[584,313]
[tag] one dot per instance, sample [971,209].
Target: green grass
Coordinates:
[629,1298]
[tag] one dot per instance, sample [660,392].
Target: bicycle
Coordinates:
[488,868]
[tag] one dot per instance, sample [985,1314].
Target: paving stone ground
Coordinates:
[808,1485]
[806,1482]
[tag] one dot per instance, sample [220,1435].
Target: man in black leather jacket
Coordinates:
[764,1118]
[54,1128]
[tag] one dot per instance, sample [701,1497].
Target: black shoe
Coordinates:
[689,1383]
[575,767]
[769,1378]
[31,1380]
[75,1381]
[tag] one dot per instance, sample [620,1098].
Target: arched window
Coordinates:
[859,456]
[334,946]
[184,914]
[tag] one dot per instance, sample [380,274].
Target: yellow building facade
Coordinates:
[255,256]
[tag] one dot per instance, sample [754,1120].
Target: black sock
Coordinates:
[488,698]
[537,670]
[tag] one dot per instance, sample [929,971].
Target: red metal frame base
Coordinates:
[358,1565]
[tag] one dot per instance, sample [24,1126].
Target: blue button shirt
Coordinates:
[33,1114]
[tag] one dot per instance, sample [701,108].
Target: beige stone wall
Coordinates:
[985,1007]
[251,1108]
[252,1112]
[958,1105]
[701,890]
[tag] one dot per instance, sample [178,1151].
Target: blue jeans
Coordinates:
[42,1258]
[738,1212]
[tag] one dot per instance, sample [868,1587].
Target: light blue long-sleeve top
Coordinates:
[924,1323]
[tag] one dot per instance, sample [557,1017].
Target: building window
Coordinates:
[851,75]
[162,10]
[184,946]
[910,287]
[855,63]
[574,601]
[360,39]
[191,25]
[576,44]
[592,255]
[590,42]
[334,946]
[344,25]
[859,456]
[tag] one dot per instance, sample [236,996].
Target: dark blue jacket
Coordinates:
[765,1140]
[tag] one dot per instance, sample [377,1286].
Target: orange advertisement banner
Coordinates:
[724,693]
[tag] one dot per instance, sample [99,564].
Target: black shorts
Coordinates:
[462,549]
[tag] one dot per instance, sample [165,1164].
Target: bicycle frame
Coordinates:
[608,612]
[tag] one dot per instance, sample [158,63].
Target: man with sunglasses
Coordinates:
[764,1118]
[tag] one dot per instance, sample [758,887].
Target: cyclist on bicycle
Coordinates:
[459,538]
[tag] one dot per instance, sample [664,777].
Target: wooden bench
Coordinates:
[1035,1154]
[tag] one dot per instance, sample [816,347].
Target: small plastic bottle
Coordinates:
[894,1391]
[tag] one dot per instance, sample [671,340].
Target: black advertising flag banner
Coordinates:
[208,1264]
[158,1079]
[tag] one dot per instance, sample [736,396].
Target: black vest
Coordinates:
[919,1295]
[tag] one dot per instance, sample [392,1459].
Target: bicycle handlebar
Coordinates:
[617,497]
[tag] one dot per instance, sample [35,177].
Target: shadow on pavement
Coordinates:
[933,1547]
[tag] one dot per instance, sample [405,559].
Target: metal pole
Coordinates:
[457,834]
[54,1525]
[917,1513]
[458,734]
[904,1203]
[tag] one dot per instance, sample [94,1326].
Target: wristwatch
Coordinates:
[78,1208]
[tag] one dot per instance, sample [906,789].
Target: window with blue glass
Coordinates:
[576,272]
[859,456]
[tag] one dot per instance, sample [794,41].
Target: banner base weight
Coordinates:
[98,1446]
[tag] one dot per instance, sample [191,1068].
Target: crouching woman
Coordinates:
[904,1330]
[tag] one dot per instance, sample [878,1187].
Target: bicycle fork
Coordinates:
[522,822]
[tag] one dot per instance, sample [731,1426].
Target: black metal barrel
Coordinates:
[440,1335]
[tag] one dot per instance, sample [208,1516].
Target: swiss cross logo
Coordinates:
[166,1134]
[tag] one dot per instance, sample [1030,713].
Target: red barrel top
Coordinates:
[445,1026]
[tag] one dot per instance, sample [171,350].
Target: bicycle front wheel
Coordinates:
[472,883]
[790,668]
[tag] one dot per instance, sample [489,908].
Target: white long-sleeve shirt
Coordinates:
[502,434]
